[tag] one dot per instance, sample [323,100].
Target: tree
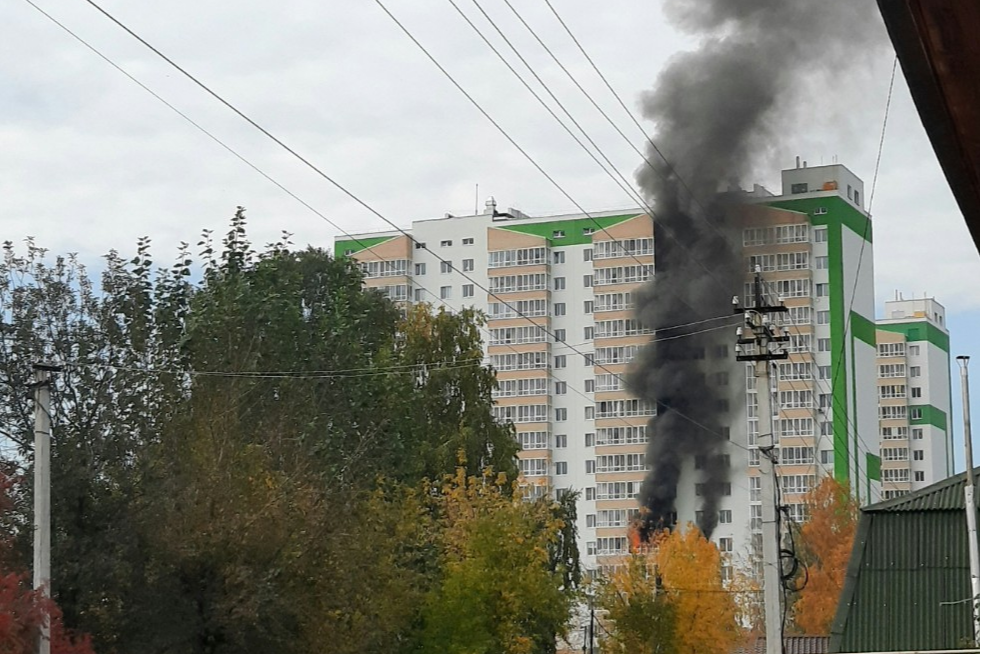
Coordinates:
[705,608]
[238,449]
[24,610]
[498,592]
[639,616]
[826,539]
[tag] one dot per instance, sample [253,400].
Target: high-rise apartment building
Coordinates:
[562,333]
[913,368]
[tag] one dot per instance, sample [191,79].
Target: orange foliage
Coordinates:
[706,610]
[827,538]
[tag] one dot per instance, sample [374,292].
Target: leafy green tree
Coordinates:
[498,592]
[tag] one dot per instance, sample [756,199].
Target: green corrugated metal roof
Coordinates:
[947,494]
[908,576]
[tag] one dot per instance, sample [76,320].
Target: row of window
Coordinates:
[521,387]
[798,233]
[899,433]
[628,247]
[622,275]
[391,268]
[622,327]
[517,335]
[780,261]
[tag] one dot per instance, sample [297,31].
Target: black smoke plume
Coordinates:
[722,111]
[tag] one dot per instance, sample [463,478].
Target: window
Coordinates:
[558,309]
[420,269]
[894,454]
[590,439]
[561,415]
[521,413]
[725,517]
[824,345]
[892,412]
[517,308]
[798,188]
[444,292]
[558,283]
[587,360]
[587,306]
[348,253]
[797,455]
[916,391]
[622,275]
[917,433]
[446,267]
[468,290]
[914,371]
[824,372]
[590,384]
[917,455]
[590,520]
[417,295]
[915,413]
[558,256]
[533,467]
[520,257]
[467,265]
[560,361]
[468,241]
[629,435]
[827,428]
[888,370]
[445,244]
[589,412]
[914,350]
[587,254]
[891,350]
[628,247]
[559,335]
[919,475]
[561,388]
[821,233]
[420,245]
[821,290]
[561,467]
[587,333]
[591,494]
[827,457]
[821,263]
[823,317]
[587,231]
[518,283]
[587,281]
[590,467]
[725,544]
[558,234]
[515,335]
[532,440]
[520,387]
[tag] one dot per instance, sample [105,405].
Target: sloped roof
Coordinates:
[908,581]
[945,495]
[791,645]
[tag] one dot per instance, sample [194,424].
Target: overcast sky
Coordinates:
[89,161]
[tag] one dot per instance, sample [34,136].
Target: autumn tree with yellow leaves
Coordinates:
[826,539]
[677,584]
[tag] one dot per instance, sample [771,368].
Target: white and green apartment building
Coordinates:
[913,368]
[568,337]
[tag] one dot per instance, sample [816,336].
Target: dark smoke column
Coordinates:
[717,111]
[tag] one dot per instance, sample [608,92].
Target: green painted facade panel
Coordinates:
[863,329]
[577,231]
[928,415]
[351,246]
[919,331]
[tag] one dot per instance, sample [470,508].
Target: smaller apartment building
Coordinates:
[913,387]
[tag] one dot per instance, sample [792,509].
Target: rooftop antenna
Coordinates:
[476,198]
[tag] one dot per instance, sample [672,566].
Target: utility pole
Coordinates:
[42,492]
[758,340]
[969,487]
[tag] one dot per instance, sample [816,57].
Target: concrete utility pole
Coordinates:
[42,491]
[760,341]
[969,490]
